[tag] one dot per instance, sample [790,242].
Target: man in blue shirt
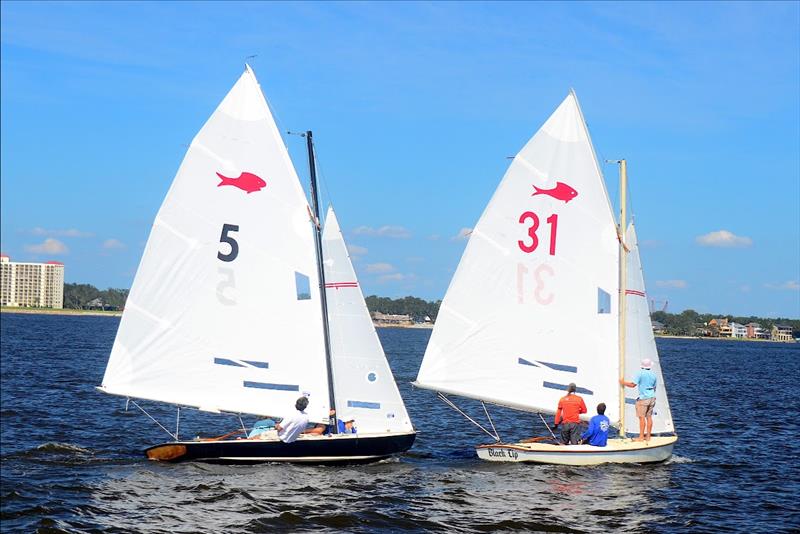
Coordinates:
[597,433]
[646,381]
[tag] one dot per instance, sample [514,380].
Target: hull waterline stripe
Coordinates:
[264,385]
[523,361]
[563,387]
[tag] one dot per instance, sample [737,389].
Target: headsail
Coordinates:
[640,344]
[533,303]
[223,312]
[364,386]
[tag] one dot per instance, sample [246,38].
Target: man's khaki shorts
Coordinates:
[644,407]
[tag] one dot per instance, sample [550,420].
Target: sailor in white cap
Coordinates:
[646,381]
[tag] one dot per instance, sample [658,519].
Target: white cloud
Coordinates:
[49,246]
[790,285]
[395,277]
[113,243]
[723,238]
[395,232]
[379,268]
[462,234]
[677,284]
[355,250]
[72,232]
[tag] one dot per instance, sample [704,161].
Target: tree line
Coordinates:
[78,297]
[688,322]
[417,308]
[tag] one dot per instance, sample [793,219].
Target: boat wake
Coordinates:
[675,459]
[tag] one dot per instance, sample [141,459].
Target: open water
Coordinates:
[72,461]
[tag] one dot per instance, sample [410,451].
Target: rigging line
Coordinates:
[546,425]
[473,421]
[242,423]
[153,418]
[321,174]
[489,417]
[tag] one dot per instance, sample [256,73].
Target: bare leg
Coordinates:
[649,428]
[641,430]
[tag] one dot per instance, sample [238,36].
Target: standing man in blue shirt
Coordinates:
[597,433]
[646,381]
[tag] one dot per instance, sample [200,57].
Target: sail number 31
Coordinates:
[534,226]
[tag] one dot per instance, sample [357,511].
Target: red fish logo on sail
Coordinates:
[560,192]
[246,181]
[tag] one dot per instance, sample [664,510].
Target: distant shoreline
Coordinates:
[423,326]
[723,338]
[61,311]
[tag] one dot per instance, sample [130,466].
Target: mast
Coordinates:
[323,298]
[623,274]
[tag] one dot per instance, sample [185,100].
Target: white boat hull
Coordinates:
[617,451]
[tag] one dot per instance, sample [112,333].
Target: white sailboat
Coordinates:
[227,312]
[537,301]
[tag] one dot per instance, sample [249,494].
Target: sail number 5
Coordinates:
[534,225]
[225,238]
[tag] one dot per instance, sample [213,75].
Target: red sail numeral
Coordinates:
[552,221]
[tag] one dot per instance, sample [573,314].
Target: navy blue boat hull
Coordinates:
[340,449]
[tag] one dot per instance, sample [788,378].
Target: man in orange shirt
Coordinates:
[570,408]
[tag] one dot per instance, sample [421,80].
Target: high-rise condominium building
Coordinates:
[31,284]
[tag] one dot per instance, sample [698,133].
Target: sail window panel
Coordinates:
[303,286]
[603,301]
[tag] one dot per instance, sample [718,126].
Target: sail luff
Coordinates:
[623,184]
[323,298]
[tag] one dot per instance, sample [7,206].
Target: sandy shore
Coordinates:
[63,311]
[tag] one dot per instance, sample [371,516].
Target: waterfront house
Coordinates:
[738,331]
[754,330]
[658,327]
[384,319]
[781,332]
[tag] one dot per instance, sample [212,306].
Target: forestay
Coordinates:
[223,313]
[533,303]
[364,386]
[640,344]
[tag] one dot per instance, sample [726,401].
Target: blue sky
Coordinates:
[415,108]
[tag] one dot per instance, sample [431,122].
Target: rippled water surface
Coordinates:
[72,460]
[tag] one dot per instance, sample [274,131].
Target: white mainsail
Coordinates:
[640,344]
[224,310]
[533,303]
[363,382]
